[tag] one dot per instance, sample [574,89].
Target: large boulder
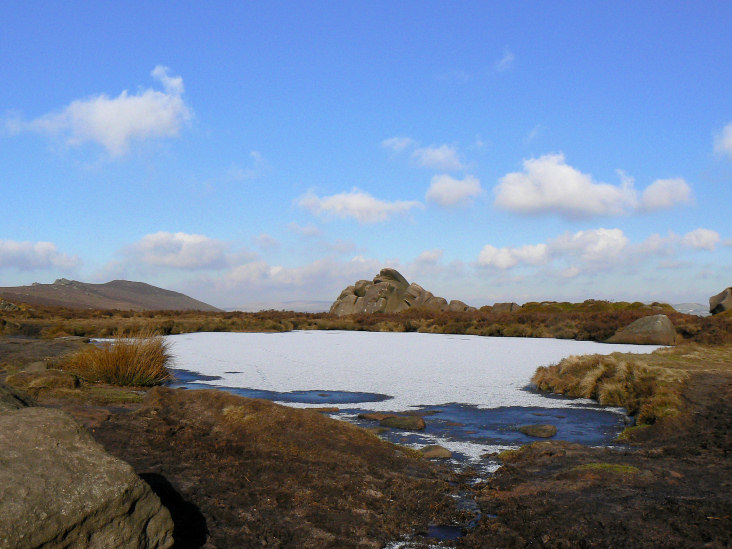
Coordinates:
[61,489]
[721,302]
[505,307]
[649,330]
[388,292]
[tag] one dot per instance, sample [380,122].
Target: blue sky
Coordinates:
[276,151]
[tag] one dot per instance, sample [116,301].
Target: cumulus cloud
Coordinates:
[115,122]
[179,251]
[549,185]
[505,258]
[444,157]
[505,62]
[430,257]
[723,141]
[592,245]
[665,193]
[397,144]
[356,204]
[447,191]
[701,239]
[30,256]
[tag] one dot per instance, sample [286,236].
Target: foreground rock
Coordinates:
[649,330]
[390,292]
[721,302]
[61,489]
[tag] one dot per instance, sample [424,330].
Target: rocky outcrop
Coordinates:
[649,330]
[390,292]
[721,302]
[61,489]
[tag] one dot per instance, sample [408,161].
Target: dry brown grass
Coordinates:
[138,360]
[649,387]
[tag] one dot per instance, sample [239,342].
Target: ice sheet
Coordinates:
[415,369]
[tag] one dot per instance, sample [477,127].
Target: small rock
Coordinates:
[541,430]
[375,416]
[406,423]
[435,451]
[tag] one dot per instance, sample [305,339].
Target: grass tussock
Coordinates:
[647,392]
[140,360]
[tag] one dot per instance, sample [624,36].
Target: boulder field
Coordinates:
[390,292]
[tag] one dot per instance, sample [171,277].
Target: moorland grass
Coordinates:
[139,360]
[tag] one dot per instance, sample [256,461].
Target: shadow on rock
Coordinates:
[190,530]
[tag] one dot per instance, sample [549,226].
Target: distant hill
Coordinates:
[294,306]
[698,309]
[118,294]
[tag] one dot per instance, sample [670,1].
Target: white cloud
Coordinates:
[397,144]
[505,62]
[505,258]
[447,191]
[444,157]
[723,141]
[29,256]
[596,245]
[549,185]
[356,204]
[701,239]
[429,257]
[256,169]
[115,122]
[179,251]
[665,193]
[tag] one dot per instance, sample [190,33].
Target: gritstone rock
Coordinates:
[649,330]
[721,302]
[389,292]
[505,307]
[61,489]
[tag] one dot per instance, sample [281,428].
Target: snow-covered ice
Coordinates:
[415,369]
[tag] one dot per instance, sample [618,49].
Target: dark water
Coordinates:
[189,380]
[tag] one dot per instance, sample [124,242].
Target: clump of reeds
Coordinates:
[140,359]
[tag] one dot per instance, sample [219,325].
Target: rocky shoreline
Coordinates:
[232,471]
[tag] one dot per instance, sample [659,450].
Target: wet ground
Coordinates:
[469,432]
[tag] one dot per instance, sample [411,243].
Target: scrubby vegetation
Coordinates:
[139,360]
[590,320]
